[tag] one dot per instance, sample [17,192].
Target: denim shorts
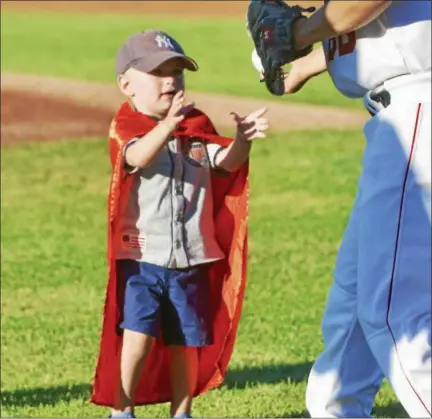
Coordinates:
[173,302]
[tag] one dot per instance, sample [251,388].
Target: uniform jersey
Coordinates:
[377,319]
[396,43]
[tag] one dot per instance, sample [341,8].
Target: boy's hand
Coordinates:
[251,126]
[177,111]
[248,128]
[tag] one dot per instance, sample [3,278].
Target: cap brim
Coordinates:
[149,64]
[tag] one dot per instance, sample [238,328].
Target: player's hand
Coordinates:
[295,78]
[251,126]
[177,111]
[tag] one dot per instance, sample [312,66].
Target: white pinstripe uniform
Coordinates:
[377,320]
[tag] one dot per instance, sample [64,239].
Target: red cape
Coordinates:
[227,276]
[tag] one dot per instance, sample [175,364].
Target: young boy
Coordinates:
[177,236]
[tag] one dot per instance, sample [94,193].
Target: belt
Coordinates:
[377,100]
[406,88]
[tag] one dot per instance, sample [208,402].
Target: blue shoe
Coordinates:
[127,415]
[183,416]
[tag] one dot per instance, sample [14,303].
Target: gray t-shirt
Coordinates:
[168,219]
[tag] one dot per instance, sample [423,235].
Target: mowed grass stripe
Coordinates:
[84,47]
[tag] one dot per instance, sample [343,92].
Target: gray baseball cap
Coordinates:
[145,51]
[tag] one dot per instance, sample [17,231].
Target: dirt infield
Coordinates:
[30,116]
[46,108]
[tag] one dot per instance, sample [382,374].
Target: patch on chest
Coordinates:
[194,150]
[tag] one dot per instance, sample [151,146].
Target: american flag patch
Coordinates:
[133,241]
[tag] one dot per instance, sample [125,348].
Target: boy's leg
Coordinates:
[345,377]
[140,323]
[183,374]
[136,347]
[186,326]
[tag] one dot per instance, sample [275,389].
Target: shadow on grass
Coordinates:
[302,414]
[267,374]
[45,395]
[393,410]
[295,373]
[235,378]
[240,379]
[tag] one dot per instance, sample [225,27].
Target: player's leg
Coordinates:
[394,282]
[186,326]
[140,324]
[345,378]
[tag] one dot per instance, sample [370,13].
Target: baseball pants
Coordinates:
[377,320]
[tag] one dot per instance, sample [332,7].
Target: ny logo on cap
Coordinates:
[164,41]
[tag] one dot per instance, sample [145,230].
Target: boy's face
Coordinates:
[152,93]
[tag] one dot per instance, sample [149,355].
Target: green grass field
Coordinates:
[53,275]
[53,234]
[84,47]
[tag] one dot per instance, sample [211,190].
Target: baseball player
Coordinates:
[377,321]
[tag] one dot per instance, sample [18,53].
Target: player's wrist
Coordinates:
[304,70]
[308,31]
[300,34]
